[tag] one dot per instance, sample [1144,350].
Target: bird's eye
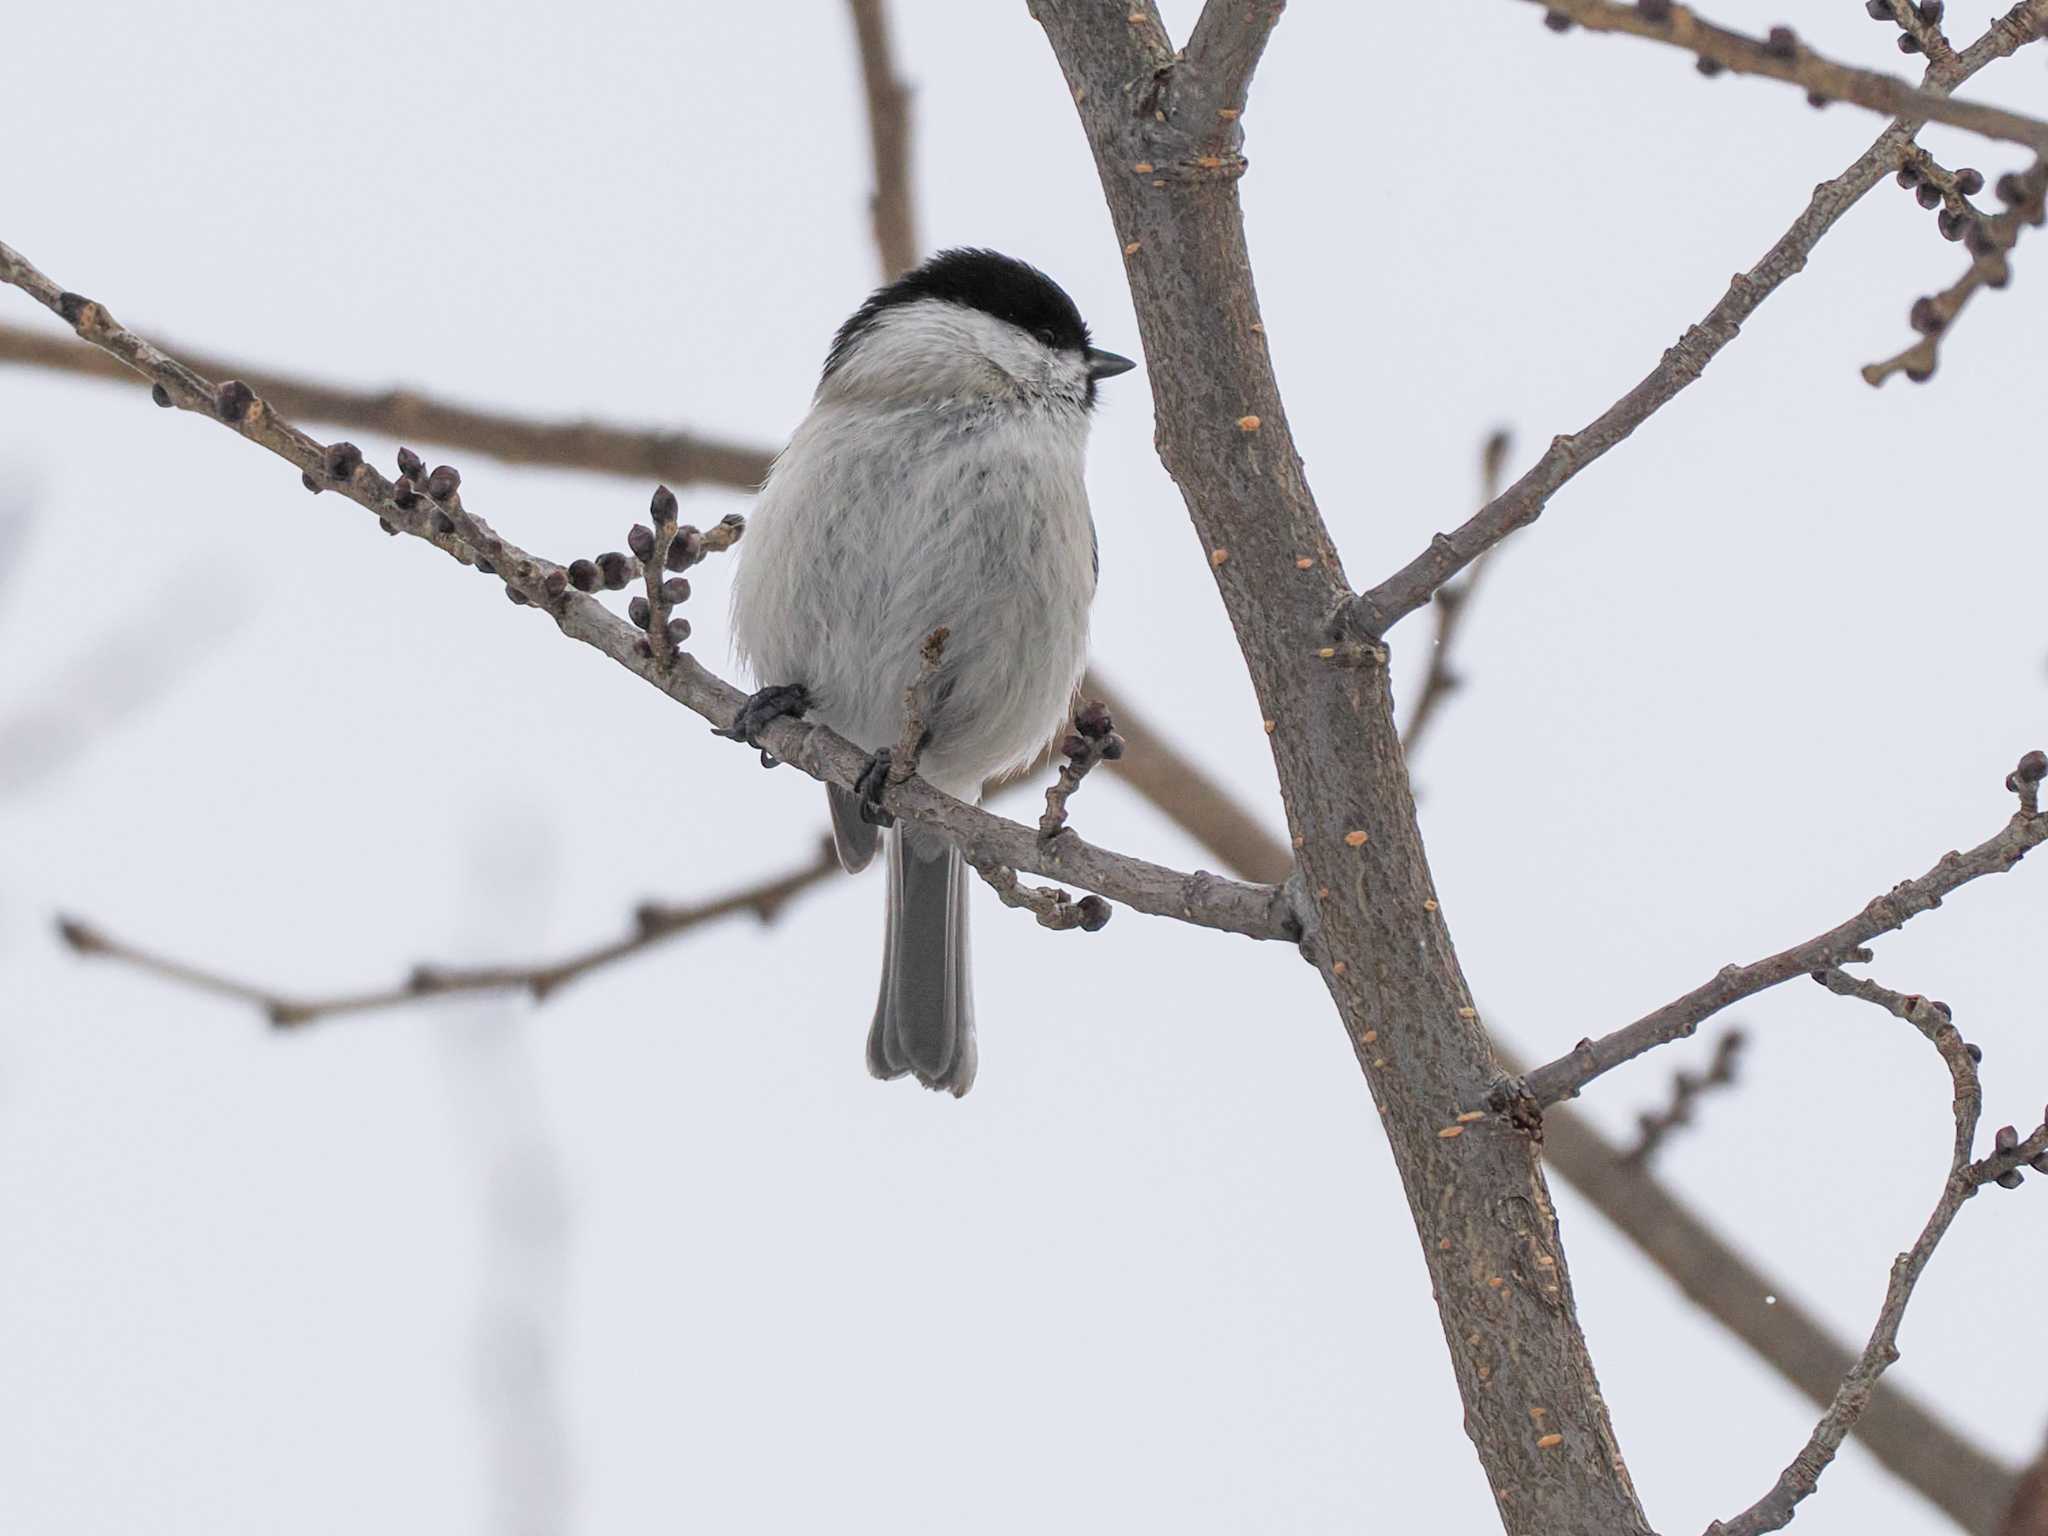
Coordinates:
[1044,334]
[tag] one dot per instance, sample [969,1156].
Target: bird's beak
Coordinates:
[1107,365]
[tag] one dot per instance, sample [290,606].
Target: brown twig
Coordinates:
[1564,1077]
[1189,795]
[1093,740]
[680,458]
[1256,911]
[1442,679]
[652,924]
[1920,26]
[1782,56]
[1908,1436]
[1991,240]
[1799,1479]
[1054,909]
[1654,1127]
[1377,609]
[893,210]
[910,741]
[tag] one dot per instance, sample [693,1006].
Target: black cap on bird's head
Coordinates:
[1010,290]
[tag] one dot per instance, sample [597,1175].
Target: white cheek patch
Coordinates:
[933,349]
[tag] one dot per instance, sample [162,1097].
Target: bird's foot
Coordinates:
[873,781]
[761,710]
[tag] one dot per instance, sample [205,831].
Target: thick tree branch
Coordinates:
[1782,56]
[1377,610]
[1564,1077]
[892,208]
[1776,1508]
[1256,911]
[1223,52]
[1477,1193]
[652,924]
[2027,1514]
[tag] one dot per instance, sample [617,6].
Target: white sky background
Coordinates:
[1156,1271]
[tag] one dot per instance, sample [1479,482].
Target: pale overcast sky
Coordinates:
[1156,1272]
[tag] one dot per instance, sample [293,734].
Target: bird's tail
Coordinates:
[924,1018]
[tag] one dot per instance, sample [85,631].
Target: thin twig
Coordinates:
[917,728]
[1055,909]
[1909,1436]
[892,207]
[652,925]
[1782,56]
[1923,29]
[1654,1127]
[1799,1479]
[1231,906]
[1991,241]
[1377,610]
[1564,1077]
[1093,740]
[1452,602]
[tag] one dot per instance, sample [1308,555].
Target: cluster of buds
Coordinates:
[1988,237]
[660,553]
[1949,192]
[2009,1154]
[1093,740]
[440,491]
[2025,781]
[1054,908]
[1919,24]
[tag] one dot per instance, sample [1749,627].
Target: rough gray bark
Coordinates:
[1163,129]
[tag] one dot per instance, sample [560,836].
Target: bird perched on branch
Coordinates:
[935,484]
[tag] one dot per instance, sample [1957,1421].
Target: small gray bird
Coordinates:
[936,483]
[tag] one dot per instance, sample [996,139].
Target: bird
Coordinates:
[936,483]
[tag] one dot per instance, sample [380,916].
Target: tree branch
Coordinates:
[1909,1438]
[1256,911]
[1782,56]
[1223,52]
[892,209]
[1991,241]
[1776,1508]
[1564,1077]
[1376,611]
[680,458]
[1094,739]
[1155,769]
[1476,1192]
[652,924]
[2027,1514]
